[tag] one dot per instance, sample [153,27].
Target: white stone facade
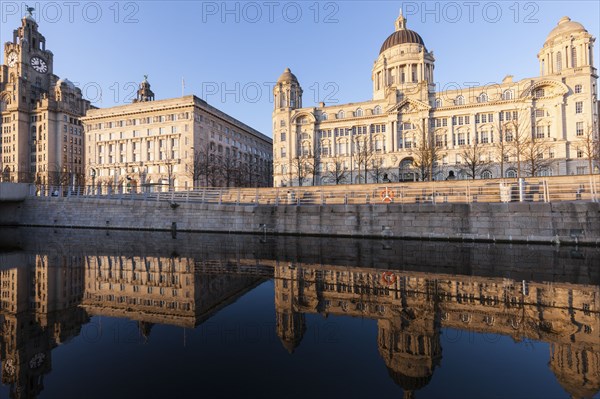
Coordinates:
[178,143]
[545,125]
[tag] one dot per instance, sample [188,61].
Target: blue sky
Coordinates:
[231,53]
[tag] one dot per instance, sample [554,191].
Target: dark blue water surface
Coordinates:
[95,314]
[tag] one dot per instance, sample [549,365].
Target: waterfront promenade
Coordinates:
[552,211]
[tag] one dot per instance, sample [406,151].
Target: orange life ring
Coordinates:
[387,195]
[388,278]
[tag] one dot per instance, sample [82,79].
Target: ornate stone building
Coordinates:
[40,129]
[176,143]
[545,125]
[412,308]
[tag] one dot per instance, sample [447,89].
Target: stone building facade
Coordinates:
[40,128]
[545,125]
[178,143]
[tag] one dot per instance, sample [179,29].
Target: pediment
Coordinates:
[409,105]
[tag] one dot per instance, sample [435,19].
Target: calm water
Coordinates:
[95,314]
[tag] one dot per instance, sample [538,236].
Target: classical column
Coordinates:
[389,139]
[560,134]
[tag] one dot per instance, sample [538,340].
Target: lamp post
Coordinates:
[349,130]
[93,175]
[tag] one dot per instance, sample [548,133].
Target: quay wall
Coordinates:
[550,223]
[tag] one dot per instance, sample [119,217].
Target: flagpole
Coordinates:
[182,87]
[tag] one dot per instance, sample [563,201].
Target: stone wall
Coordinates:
[564,222]
[13,191]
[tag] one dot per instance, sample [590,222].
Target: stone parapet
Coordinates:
[556,223]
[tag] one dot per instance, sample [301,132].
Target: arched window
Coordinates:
[283,101]
[511,173]
[482,98]
[543,67]
[341,115]
[558,62]
[544,172]
[507,95]
[359,112]
[305,149]
[574,57]
[325,148]
[438,102]
[377,110]
[460,100]
[324,116]
[539,93]
[486,174]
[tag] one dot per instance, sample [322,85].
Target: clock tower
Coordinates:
[41,135]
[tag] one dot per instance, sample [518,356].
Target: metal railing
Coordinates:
[533,189]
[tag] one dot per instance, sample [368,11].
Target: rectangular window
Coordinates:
[439,140]
[539,132]
[484,137]
[579,107]
[579,128]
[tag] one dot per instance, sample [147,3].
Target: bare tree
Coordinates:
[170,173]
[316,165]
[203,168]
[363,154]
[229,169]
[336,171]
[302,167]
[211,166]
[474,159]
[518,135]
[502,148]
[425,153]
[535,156]
[589,144]
[194,167]
[377,170]
[251,171]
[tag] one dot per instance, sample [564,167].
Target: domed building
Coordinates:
[406,124]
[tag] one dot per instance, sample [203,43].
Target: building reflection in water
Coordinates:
[411,308]
[49,291]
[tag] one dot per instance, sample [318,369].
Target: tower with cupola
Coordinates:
[41,136]
[404,67]
[287,98]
